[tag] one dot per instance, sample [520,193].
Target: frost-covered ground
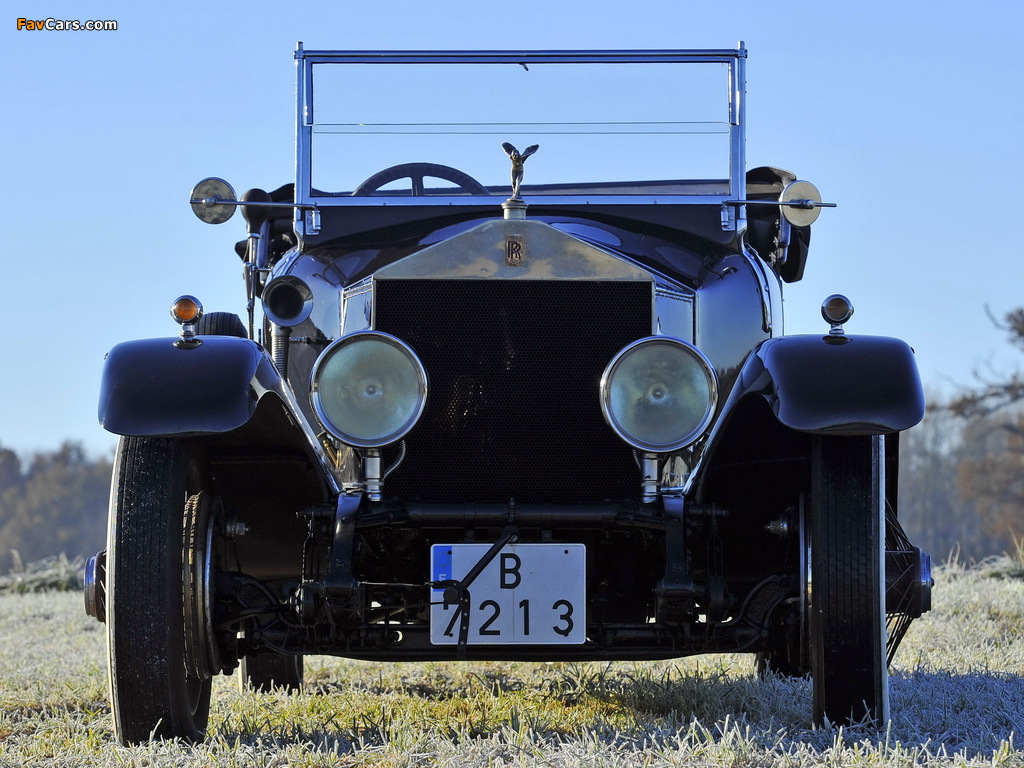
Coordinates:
[957,699]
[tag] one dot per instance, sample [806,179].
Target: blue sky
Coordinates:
[906,114]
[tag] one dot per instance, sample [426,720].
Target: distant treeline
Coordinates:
[52,502]
[944,462]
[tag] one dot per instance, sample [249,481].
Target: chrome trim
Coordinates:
[206,203]
[372,480]
[272,300]
[357,307]
[737,142]
[480,253]
[95,586]
[311,220]
[926,581]
[836,323]
[649,484]
[547,201]
[760,270]
[675,313]
[551,56]
[188,327]
[201,653]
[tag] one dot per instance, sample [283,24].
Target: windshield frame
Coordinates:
[307,196]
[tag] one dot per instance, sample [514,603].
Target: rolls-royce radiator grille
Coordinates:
[513,369]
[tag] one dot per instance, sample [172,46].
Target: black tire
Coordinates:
[266,671]
[221,324]
[151,693]
[847,594]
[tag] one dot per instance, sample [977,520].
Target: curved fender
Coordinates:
[853,385]
[152,387]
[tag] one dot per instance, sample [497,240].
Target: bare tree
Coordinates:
[991,476]
[995,392]
[933,512]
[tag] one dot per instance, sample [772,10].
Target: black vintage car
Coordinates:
[511,383]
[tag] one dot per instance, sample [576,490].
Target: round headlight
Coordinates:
[659,394]
[368,389]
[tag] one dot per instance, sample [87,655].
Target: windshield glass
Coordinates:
[624,128]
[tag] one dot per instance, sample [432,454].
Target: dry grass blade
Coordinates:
[52,573]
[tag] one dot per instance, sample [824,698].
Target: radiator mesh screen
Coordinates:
[513,370]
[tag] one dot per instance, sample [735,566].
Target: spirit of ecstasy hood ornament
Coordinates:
[517,164]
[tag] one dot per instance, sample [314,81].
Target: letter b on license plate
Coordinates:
[530,594]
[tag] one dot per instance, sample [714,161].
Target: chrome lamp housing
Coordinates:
[659,394]
[368,389]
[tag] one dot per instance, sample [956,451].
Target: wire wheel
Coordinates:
[908,583]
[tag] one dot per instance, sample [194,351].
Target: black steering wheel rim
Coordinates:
[416,172]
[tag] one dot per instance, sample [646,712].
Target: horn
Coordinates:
[287,301]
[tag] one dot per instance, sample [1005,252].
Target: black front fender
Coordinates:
[852,385]
[152,387]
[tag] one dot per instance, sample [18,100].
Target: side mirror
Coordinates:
[801,203]
[213,200]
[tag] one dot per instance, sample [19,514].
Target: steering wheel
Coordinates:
[416,172]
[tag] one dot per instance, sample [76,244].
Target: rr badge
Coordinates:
[514,252]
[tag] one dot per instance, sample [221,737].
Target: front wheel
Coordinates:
[847,583]
[153,691]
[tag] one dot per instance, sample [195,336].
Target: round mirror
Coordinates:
[804,209]
[213,200]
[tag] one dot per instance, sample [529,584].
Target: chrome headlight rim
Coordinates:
[315,393]
[701,426]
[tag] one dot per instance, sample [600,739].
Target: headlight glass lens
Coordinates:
[368,389]
[659,394]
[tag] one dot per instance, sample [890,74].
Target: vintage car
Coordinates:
[511,384]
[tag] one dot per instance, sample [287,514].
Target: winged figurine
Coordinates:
[518,158]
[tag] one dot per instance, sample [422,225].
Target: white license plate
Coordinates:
[528,594]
